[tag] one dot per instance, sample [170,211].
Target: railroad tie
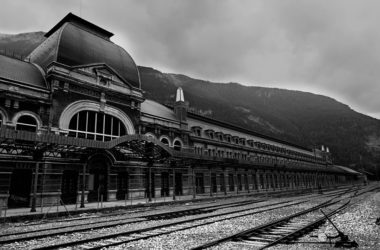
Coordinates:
[86,246]
[126,238]
[252,243]
[111,241]
[149,233]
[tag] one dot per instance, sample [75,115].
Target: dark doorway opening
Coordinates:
[246,184]
[20,188]
[164,184]
[122,186]
[199,183]
[178,184]
[214,187]
[240,186]
[231,182]
[69,187]
[98,179]
[222,183]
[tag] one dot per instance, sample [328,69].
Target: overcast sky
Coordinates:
[327,47]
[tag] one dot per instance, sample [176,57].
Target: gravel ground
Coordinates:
[195,236]
[181,240]
[79,235]
[100,217]
[358,222]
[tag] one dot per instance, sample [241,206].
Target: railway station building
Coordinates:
[76,127]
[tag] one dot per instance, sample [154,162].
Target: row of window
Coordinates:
[85,124]
[260,158]
[177,145]
[251,143]
[242,180]
[96,126]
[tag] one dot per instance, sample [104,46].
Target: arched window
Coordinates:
[95,126]
[177,145]
[165,141]
[26,123]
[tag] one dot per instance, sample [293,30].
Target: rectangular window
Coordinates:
[99,124]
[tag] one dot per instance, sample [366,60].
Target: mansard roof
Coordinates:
[74,41]
[22,72]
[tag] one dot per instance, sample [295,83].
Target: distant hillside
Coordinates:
[300,117]
[20,44]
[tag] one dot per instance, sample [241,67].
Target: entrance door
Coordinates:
[98,179]
[122,186]
[231,182]
[164,184]
[69,186]
[199,184]
[213,183]
[20,188]
[222,183]
[178,184]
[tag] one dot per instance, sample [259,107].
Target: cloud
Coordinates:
[328,47]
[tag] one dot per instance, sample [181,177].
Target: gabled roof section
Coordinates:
[22,72]
[83,24]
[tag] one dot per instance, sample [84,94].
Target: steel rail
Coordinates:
[167,225]
[242,234]
[106,223]
[301,231]
[264,226]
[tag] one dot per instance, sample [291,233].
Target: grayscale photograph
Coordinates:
[189,124]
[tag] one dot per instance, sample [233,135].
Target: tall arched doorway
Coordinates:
[98,179]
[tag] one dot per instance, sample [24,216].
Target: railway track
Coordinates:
[167,228]
[147,232]
[285,230]
[111,222]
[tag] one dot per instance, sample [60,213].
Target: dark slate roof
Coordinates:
[75,44]
[154,108]
[71,18]
[24,72]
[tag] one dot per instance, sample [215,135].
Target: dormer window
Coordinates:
[210,133]
[227,137]
[235,139]
[196,130]
[219,136]
[242,141]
